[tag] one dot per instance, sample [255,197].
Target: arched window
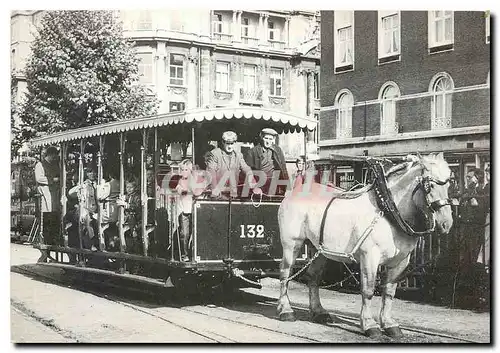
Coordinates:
[388,96]
[345,101]
[442,89]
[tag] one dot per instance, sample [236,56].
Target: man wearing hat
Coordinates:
[225,164]
[268,157]
[47,179]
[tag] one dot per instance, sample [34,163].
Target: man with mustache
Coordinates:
[224,165]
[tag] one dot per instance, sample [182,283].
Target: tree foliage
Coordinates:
[82,72]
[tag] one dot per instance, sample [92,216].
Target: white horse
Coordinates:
[418,187]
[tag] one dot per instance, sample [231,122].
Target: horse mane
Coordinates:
[398,169]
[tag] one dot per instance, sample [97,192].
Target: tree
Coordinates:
[82,72]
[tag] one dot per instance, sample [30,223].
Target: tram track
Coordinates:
[349,324]
[88,286]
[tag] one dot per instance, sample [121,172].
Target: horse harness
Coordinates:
[387,207]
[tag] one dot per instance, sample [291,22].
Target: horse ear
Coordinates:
[419,155]
[440,155]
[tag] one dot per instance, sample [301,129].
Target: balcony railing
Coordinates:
[344,133]
[250,41]
[251,95]
[222,37]
[389,128]
[441,123]
[276,44]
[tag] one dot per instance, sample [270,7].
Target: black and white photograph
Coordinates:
[195,176]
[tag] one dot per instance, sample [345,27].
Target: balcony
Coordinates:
[250,41]
[276,44]
[251,96]
[389,128]
[441,123]
[344,133]
[222,37]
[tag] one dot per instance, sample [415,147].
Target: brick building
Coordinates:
[399,82]
[200,58]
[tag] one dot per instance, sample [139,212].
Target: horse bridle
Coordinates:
[424,183]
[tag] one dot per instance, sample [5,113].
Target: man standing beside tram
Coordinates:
[48,186]
[268,157]
[47,179]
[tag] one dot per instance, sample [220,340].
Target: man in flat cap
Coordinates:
[268,157]
[224,166]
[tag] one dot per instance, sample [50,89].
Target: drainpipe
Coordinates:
[364,123]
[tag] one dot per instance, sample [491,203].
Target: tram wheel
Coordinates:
[185,282]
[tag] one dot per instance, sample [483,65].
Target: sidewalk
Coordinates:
[456,322]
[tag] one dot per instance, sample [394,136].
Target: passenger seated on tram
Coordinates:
[188,187]
[132,204]
[87,197]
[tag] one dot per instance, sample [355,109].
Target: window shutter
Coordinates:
[430,28]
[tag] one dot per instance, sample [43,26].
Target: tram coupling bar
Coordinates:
[237,272]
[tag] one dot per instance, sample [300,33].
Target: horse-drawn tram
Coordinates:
[122,211]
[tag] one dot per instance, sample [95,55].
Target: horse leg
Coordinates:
[369,266]
[388,324]
[290,252]
[314,272]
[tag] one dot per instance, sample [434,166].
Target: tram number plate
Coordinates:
[252,231]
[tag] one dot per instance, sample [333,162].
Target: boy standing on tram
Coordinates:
[186,188]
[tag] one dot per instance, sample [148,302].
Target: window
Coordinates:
[389,45]
[344,40]
[316,86]
[273,33]
[222,77]
[276,82]
[145,21]
[487,25]
[345,102]
[249,78]
[440,30]
[442,89]
[145,67]
[177,107]
[177,20]
[176,69]
[217,23]
[245,27]
[389,94]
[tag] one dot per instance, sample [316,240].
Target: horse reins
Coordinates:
[388,207]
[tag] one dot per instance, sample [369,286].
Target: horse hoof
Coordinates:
[323,318]
[287,317]
[374,332]
[394,332]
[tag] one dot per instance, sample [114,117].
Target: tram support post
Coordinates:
[144,196]
[80,183]
[121,211]
[63,192]
[156,157]
[100,203]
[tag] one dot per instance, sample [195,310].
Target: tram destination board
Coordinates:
[254,231]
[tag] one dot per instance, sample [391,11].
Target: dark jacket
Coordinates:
[256,154]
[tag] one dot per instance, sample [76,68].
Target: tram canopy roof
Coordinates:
[280,121]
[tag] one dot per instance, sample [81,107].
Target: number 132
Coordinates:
[252,231]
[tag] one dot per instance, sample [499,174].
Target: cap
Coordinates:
[268,131]
[51,150]
[229,136]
